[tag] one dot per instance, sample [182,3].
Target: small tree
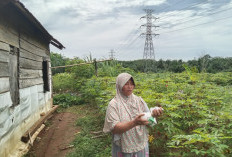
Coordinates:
[85,71]
[57,60]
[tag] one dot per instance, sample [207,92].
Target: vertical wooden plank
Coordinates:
[14,74]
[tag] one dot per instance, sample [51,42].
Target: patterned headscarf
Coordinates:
[121,80]
[125,108]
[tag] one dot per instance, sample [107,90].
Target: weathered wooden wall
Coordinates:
[4,69]
[32,54]
[33,48]
[23,48]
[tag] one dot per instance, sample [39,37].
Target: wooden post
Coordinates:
[95,65]
[79,64]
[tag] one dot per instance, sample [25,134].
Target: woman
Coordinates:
[124,120]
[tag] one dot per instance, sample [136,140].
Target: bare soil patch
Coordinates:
[55,139]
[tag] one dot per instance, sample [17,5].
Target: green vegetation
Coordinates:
[203,64]
[197,119]
[57,60]
[88,142]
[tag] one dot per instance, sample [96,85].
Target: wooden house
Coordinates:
[25,76]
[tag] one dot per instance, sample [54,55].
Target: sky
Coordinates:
[188,29]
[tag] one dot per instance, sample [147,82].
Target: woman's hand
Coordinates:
[157,111]
[140,121]
[122,127]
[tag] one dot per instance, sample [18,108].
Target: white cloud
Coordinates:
[97,26]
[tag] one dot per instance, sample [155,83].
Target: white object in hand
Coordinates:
[148,116]
[156,108]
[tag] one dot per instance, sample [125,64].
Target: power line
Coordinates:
[135,29]
[197,25]
[167,16]
[132,36]
[171,5]
[128,39]
[198,17]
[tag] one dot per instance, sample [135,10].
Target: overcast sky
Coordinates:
[188,28]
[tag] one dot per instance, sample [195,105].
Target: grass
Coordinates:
[86,143]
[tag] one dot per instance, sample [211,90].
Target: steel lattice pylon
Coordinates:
[148,47]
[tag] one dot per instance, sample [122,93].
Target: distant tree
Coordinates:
[57,60]
[217,64]
[228,64]
[84,71]
[203,63]
[193,63]
[176,66]
[161,65]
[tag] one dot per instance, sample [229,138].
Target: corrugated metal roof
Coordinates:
[35,22]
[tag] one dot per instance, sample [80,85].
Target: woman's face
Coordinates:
[128,88]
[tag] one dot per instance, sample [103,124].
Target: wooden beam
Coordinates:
[30,64]
[8,35]
[4,55]
[29,73]
[4,85]
[34,40]
[4,70]
[33,49]
[26,136]
[23,83]
[4,46]
[29,55]
[80,64]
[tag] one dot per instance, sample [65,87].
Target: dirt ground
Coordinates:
[55,139]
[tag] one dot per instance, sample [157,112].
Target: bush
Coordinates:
[81,71]
[112,69]
[67,100]
[63,82]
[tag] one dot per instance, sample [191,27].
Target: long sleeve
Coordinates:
[112,117]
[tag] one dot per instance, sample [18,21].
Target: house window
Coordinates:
[46,75]
[14,74]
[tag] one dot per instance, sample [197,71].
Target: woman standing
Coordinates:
[124,120]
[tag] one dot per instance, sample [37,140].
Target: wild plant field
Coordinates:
[197,118]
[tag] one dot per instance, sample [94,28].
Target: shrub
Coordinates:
[63,82]
[67,100]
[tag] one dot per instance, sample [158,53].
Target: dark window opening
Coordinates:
[46,76]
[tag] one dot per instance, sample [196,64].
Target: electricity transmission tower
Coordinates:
[148,47]
[112,54]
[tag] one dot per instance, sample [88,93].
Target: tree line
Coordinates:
[203,64]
